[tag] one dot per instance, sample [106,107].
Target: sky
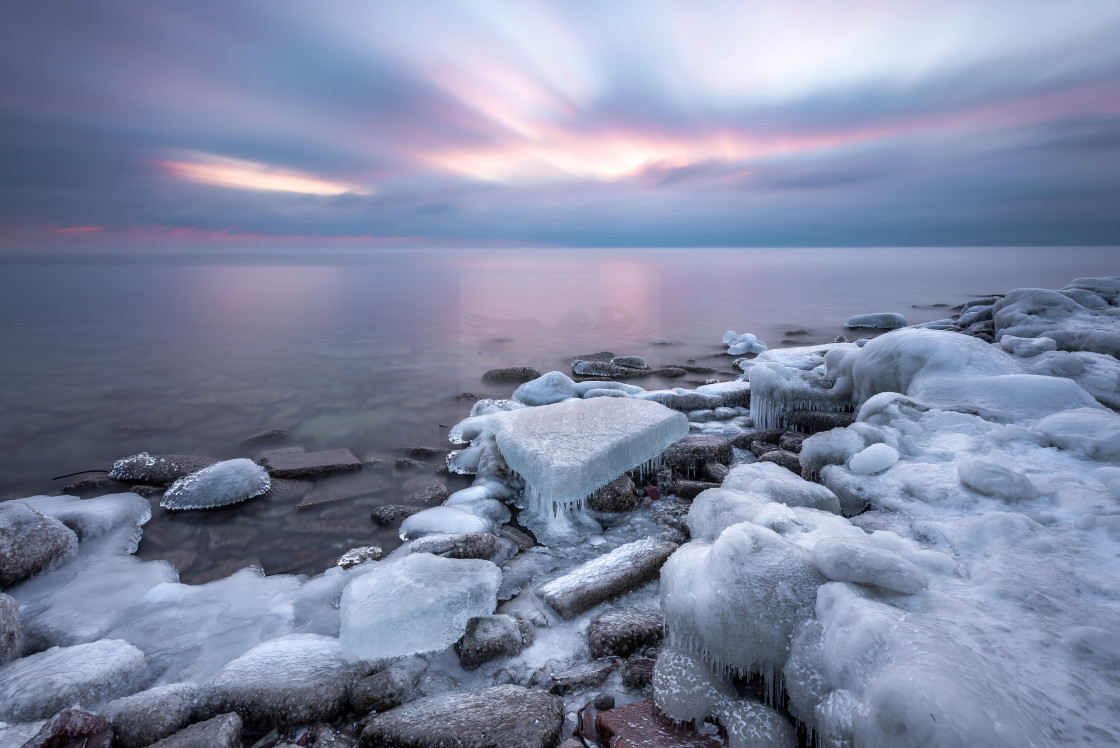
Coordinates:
[638,123]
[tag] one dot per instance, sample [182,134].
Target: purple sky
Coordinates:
[632,123]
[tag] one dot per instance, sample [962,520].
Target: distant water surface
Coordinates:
[109,354]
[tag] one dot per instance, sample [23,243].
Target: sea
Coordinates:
[109,354]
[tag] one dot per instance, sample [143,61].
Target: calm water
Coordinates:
[108,355]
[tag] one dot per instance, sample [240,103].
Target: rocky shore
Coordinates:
[910,539]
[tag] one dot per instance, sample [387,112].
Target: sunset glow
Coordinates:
[246,175]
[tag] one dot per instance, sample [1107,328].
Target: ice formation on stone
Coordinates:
[222,483]
[878,321]
[738,345]
[414,604]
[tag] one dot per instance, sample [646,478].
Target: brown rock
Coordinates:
[71,727]
[639,725]
[30,542]
[619,495]
[688,456]
[623,631]
[223,731]
[306,464]
[638,672]
[788,460]
[579,677]
[690,489]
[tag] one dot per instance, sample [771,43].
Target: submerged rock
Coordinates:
[30,542]
[268,436]
[498,717]
[307,464]
[511,374]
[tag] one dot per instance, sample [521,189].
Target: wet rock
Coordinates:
[356,556]
[307,464]
[625,568]
[497,717]
[389,688]
[392,514]
[11,629]
[686,401]
[639,725]
[791,441]
[431,495]
[765,436]
[511,374]
[688,456]
[71,727]
[669,372]
[638,672]
[598,356]
[323,735]
[673,514]
[268,436]
[148,492]
[608,369]
[458,545]
[223,731]
[522,540]
[619,495]
[432,683]
[789,460]
[633,362]
[524,608]
[759,447]
[410,463]
[623,631]
[690,489]
[148,716]
[94,484]
[490,637]
[158,469]
[293,679]
[714,472]
[38,686]
[815,421]
[30,542]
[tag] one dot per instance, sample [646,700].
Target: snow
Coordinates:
[415,604]
[222,483]
[873,459]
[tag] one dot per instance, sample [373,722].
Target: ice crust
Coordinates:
[415,604]
[222,483]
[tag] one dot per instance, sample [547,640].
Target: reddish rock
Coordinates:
[71,728]
[639,725]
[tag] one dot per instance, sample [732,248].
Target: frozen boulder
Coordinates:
[73,727]
[11,629]
[30,542]
[497,717]
[220,484]
[223,731]
[716,509]
[549,388]
[1009,398]
[143,718]
[996,477]
[444,520]
[462,545]
[38,686]
[1092,432]
[738,598]
[92,518]
[158,470]
[877,321]
[851,559]
[294,679]
[418,603]
[685,689]
[744,344]
[873,459]
[568,450]
[1027,347]
[775,483]
[490,637]
[602,578]
[623,631]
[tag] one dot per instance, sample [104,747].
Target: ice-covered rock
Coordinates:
[293,679]
[1009,398]
[553,387]
[143,718]
[444,520]
[568,450]
[223,731]
[222,483]
[461,545]
[30,542]
[414,604]
[877,321]
[1089,431]
[158,469]
[73,727]
[746,343]
[11,629]
[497,717]
[92,518]
[873,459]
[1081,317]
[604,577]
[622,631]
[1027,347]
[38,686]
[852,559]
[684,687]
[777,484]
[996,477]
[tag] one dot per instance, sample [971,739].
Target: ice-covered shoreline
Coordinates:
[956,547]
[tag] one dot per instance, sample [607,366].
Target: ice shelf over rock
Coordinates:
[568,450]
[222,483]
[414,604]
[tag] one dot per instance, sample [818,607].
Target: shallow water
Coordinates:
[107,355]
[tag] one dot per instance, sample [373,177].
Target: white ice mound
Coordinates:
[995,477]
[38,686]
[736,600]
[1092,432]
[567,451]
[92,518]
[873,459]
[877,321]
[775,483]
[746,343]
[1084,316]
[853,559]
[418,603]
[444,520]
[553,387]
[222,483]
[1007,398]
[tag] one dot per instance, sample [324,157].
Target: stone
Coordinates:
[619,495]
[389,688]
[158,469]
[458,545]
[634,362]
[522,540]
[94,484]
[669,371]
[11,629]
[580,677]
[490,637]
[714,472]
[815,421]
[434,682]
[688,456]
[608,369]
[147,492]
[432,495]
[624,631]
[638,672]
[306,464]
[639,725]
[223,731]
[143,718]
[496,717]
[392,514]
[409,463]
[31,542]
[511,374]
[71,727]
[268,436]
[289,680]
[791,441]
[789,460]
[759,447]
[690,489]
[38,686]
[422,453]
[356,556]
[625,568]
[687,401]
[765,436]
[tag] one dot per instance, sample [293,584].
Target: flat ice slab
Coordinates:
[568,450]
